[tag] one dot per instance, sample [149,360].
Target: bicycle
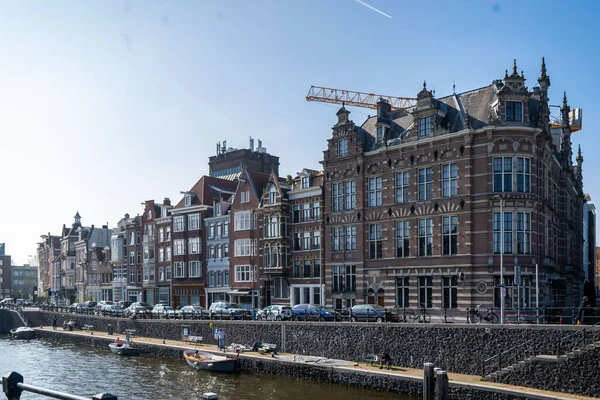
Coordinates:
[422,316]
[490,316]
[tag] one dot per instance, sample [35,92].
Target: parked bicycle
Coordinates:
[421,316]
[490,316]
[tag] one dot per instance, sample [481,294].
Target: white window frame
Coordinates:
[243,248]
[342,148]
[425,234]
[523,233]
[449,234]
[502,168]
[425,190]
[449,180]
[194,245]
[402,239]
[194,269]
[179,267]
[242,221]
[305,182]
[193,222]
[375,191]
[350,195]
[337,196]
[179,247]
[243,273]
[524,174]
[375,239]
[424,126]
[272,195]
[402,186]
[178,224]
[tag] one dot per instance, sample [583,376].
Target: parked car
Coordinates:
[123,304]
[193,312]
[276,313]
[7,301]
[111,309]
[228,310]
[103,303]
[137,308]
[313,312]
[163,311]
[370,313]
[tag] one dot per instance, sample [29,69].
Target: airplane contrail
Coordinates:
[372,8]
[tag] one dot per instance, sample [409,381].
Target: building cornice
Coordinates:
[313,191]
[191,209]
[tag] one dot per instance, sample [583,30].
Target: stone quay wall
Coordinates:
[357,378]
[452,347]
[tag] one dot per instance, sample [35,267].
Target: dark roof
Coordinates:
[205,190]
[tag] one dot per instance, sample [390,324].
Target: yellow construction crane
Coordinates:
[575,118]
[357,99]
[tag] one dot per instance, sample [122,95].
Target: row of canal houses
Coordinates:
[241,234]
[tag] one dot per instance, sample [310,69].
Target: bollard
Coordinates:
[442,385]
[428,381]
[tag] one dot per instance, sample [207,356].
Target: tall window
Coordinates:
[344,278]
[306,212]
[225,250]
[424,126]
[507,232]
[178,224]
[271,225]
[316,268]
[296,271]
[179,269]
[375,241]
[194,269]
[402,187]
[271,256]
[449,180]
[243,273]
[523,174]
[178,247]
[194,245]
[337,196]
[425,237]
[242,221]
[342,147]
[380,133]
[514,111]
[298,241]
[316,245]
[350,187]
[296,213]
[502,174]
[523,233]
[307,268]
[402,239]
[425,291]
[168,233]
[450,292]
[316,211]
[226,229]
[272,195]
[425,184]
[305,240]
[305,182]
[161,254]
[193,222]
[449,235]
[243,247]
[168,273]
[402,292]
[217,209]
[351,238]
[168,253]
[161,234]
[375,192]
[338,238]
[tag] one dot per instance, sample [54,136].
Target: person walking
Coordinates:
[221,335]
[54,322]
[584,310]
[385,359]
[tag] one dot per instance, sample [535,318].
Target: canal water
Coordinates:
[85,370]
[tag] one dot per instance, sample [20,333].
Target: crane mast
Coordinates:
[357,99]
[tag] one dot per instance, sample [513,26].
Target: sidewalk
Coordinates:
[458,380]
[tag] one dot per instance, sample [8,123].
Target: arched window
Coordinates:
[272,195]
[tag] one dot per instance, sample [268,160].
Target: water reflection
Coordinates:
[84,370]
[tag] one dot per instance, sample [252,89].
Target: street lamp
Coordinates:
[502,287]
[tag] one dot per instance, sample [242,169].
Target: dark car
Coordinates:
[370,313]
[307,312]
[222,309]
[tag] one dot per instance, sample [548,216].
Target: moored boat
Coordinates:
[211,362]
[23,332]
[124,349]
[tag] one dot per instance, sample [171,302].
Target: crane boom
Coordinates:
[357,99]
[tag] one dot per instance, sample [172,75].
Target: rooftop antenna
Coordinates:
[453,87]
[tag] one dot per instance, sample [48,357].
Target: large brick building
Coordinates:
[417,201]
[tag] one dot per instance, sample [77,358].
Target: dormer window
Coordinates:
[380,130]
[514,111]
[424,126]
[272,195]
[149,216]
[305,182]
[342,147]
[217,209]
[188,200]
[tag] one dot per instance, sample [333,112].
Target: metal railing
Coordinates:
[578,338]
[509,357]
[13,386]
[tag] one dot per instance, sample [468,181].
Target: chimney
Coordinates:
[383,108]
[251,144]
[104,226]
[167,201]
[126,216]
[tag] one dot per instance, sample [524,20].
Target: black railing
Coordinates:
[576,339]
[509,357]
[13,386]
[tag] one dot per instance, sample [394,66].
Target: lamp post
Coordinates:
[502,287]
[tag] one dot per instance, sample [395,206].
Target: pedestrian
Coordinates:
[584,310]
[385,358]
[221,339]
[54,322]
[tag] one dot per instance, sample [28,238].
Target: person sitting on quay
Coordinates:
[65,325]
[385,359]
[119,342]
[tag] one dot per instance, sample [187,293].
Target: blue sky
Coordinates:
[105,104]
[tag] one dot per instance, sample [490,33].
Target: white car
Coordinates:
[162,311]
[277,313]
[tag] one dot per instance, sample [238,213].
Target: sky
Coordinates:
[105,104]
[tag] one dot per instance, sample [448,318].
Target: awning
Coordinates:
[238,293]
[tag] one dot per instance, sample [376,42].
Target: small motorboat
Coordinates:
[124,349]
[211,362]
[23,332]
